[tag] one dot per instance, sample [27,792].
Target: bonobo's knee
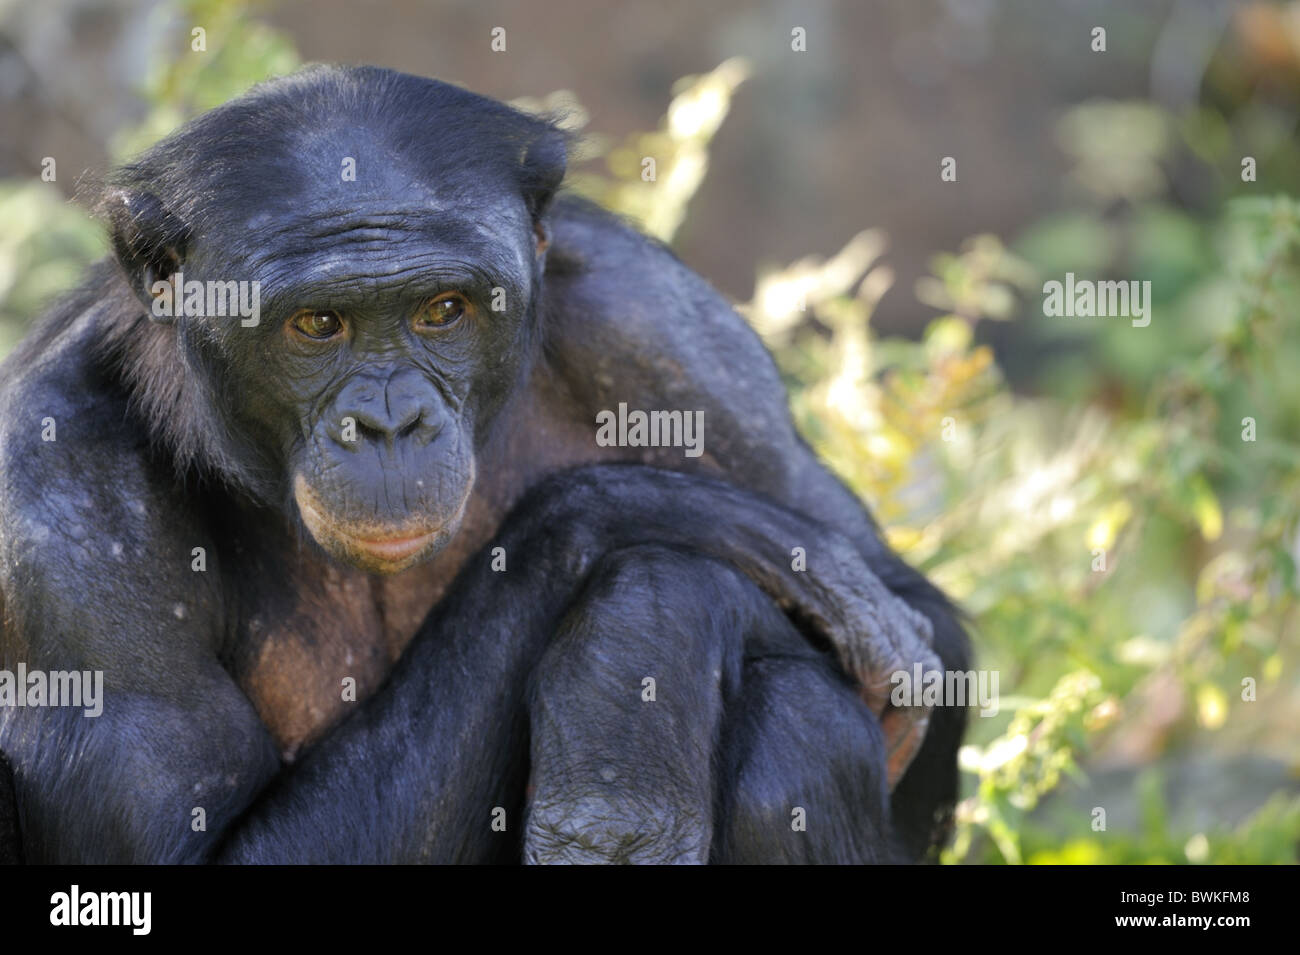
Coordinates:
[627,709]
[804,774]
[647,607]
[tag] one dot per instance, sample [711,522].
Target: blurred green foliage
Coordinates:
[44,248]
[1126,536]
[47,241]
[1129,443]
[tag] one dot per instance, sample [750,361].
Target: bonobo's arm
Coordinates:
[626,321]
[95,575]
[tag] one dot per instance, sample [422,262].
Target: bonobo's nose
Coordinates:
[404,405]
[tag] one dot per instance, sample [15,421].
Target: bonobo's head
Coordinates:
[391,231]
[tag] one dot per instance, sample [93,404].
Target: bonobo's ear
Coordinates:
[150,242]
[541,170]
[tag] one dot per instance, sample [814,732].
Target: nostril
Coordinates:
[405,408]
[370,429]
[410,424]
[381,428]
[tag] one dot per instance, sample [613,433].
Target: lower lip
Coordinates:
[395,549]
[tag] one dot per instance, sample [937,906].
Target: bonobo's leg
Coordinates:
[680,717]
[627,710]
[802,769]
[606,338]
[838,596]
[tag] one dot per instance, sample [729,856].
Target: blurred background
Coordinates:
[1117,508]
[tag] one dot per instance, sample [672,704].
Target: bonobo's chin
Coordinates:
[374,547]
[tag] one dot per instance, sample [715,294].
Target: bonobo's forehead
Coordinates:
[338,252]
[419,221]
[329,187]
[353,210]
[363,163]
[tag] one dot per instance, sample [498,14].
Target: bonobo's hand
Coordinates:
[875,634]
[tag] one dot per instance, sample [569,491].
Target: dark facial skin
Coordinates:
[377,374]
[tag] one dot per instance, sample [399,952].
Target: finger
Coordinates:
[905,729]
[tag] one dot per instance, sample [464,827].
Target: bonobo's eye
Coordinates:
[441,312]
[316,324]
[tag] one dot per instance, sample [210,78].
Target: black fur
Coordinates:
[521,690]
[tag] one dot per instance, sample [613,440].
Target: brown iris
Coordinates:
[447,309]
[316,324]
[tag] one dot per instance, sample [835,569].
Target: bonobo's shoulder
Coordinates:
[68,447]
[601,269]
[54,372]
[53,336]
[586,237]
[92,520]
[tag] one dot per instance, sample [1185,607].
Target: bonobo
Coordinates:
[308,471]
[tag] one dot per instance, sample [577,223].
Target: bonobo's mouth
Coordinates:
[393,548]
[372,547]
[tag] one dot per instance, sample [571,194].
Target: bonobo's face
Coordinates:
[391,329]
[392,227]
